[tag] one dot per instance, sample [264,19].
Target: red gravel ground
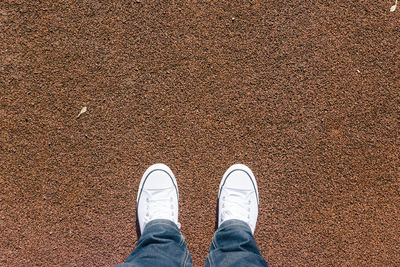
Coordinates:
[307,93]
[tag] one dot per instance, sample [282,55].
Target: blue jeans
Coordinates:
[162,244]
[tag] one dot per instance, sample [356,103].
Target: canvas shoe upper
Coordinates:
[157,196]
[238,196]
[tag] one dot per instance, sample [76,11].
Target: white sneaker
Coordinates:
[157,196]
[238,196]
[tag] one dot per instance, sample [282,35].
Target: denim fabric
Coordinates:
[234,245]
[161,244]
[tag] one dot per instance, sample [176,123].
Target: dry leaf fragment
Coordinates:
[83,110]
[393,8]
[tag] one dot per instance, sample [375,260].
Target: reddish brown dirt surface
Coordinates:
[304,92]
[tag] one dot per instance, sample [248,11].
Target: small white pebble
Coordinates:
[83,110]
[358,71]
[393,8]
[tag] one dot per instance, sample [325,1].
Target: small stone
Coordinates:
[393,8]
[83,110]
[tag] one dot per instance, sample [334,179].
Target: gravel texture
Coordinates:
[306,93]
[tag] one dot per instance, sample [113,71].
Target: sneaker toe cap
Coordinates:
[158,179]
[239,179]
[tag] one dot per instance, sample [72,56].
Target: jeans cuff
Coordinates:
[161,223]
[235,223]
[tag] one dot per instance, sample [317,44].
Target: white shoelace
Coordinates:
[159,206]
[236,204]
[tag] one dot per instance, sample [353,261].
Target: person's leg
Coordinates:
[233,243]
[161,242]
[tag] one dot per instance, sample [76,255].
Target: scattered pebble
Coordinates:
[83,110]
[393,8]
